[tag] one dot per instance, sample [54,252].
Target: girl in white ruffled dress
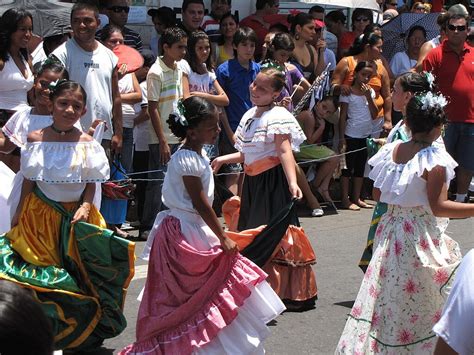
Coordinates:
[409,275]
[265,140]
[201,296]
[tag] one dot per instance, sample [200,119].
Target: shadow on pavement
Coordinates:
[347,304]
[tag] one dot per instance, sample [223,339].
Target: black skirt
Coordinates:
[263,197]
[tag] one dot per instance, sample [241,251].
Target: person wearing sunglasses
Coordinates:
[361,18]
[117,12]
[452,65]
[418,8]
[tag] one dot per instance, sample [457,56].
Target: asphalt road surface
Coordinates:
[338,241]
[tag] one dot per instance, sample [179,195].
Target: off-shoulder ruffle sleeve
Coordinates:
[189,163]
[252,134]
[59,162]
[391,177]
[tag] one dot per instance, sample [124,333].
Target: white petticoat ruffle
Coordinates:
[254,133]
[64,162]
[389,176]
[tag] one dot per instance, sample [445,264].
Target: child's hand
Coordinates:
[165,153]
[342,145]
[122,71]
[229,246]
[82,213]
[216,165]
[94,125]
[285,102]
[295,191]
[366,91]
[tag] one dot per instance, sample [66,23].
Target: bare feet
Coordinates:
[363,204]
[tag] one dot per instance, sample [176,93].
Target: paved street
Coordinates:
[338,241]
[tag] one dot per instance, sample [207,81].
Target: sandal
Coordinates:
[351,207]
[362,204]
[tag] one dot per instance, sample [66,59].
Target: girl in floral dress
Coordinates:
[404,88]
[406,282]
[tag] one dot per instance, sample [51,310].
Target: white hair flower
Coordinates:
[430,79]
[432,100]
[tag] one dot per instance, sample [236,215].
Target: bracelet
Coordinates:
[86,205]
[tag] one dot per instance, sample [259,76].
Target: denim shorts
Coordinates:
[459,142]
[226,147]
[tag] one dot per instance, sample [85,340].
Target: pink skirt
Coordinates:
[198,299]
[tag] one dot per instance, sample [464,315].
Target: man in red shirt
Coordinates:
[452,64]
[257,22]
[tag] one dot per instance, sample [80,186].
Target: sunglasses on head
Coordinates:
[459,28]
[118,9]
[362,19]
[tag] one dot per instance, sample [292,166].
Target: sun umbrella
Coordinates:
[396,30]
[363,4]
[49,17]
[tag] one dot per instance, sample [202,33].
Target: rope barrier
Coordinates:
[236,173]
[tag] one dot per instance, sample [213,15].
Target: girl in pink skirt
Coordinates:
[201,295]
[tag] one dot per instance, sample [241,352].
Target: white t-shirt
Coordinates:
[186,163]
[359,119]
[457,320]
[128,113]
[198,82]
[93,70]
[401,63]
[141,133]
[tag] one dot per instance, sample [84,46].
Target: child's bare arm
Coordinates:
[6,145]
[437,190]
[165,152]
[195,190]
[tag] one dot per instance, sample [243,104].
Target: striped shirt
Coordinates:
[130,37]
[164,86]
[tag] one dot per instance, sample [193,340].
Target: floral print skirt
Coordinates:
[405,285]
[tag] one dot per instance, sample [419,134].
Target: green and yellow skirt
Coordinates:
[79,273]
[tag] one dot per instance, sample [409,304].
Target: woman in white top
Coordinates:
[404,61]
[16,78]
[78,271]
[411,270]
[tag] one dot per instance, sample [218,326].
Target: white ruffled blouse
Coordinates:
[186,163]
[23,122]
[255,136]
[62,169]
[402,184]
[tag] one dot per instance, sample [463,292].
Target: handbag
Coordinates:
[123,189]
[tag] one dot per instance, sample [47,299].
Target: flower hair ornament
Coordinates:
[55,84]
[430,100]
[430,79]
[178,114]
[268,64]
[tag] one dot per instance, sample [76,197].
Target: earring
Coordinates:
[297,36]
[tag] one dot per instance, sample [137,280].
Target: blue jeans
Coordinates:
[459,141]
[153,203]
